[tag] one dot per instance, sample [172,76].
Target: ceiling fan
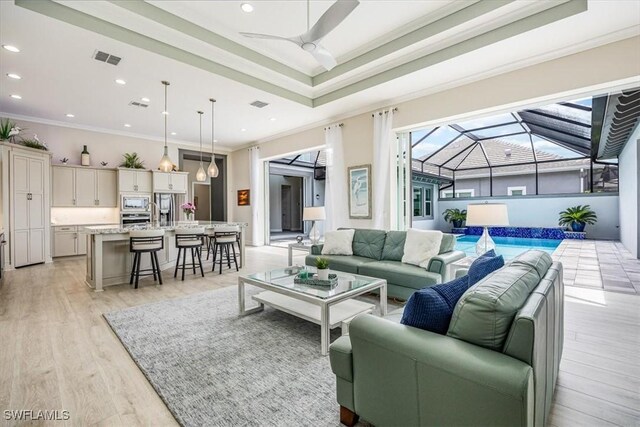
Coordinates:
[310,41]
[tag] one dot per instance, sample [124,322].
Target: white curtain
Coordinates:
[384,157]
[335,192]
[256,197]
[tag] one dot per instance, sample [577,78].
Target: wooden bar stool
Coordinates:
[193,239]
[224,239]
[145,241]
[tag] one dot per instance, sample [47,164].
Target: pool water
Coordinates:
[509,247]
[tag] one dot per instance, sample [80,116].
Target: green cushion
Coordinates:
[448,243]
[484,314]
[398,273]
[394,245]
[368,243]
[345,263]
[341,358]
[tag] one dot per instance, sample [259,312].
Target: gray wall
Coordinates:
[542,211]
[629,162]
[564,182]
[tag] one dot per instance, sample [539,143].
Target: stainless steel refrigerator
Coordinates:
[165,208]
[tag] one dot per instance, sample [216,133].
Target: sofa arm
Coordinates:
[408,376]
[461,272]
[316,249]
[438,264]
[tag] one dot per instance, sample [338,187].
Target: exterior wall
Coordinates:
[565,182]
[542,211]
[629,162]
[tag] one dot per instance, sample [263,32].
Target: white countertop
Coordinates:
[120,229]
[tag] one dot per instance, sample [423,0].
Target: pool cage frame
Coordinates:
[557,129]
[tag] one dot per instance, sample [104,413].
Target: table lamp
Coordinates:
[313,214]
[487,215]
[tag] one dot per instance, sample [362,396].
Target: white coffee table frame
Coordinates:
[351,309]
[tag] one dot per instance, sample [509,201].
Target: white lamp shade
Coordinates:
[314,214]
[487,215]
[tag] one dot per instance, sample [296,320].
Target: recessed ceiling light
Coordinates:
[166,113]
[70,115]
[127,125]
[16,96]
[243,130]
[247,7]
[145,100]
[11,48]
[273,119]
[13,76]
[121,82]
[215,140]
[174,133]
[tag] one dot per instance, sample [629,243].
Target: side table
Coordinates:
[304,246]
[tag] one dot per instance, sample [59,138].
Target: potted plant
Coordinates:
[577,217]
[132,161]
[8,130]
[189,209]
[322,264]
[455,216]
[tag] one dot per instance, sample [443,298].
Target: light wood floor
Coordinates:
[57,352]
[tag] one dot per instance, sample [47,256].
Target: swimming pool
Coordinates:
[509,247]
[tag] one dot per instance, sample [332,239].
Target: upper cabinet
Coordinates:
[83,187]
[170,182]
[134,181]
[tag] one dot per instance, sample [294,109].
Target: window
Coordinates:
[517,191]
[448,194]
[422,201]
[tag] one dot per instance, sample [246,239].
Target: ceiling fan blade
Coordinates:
[330,20]
[324,57]
[270,37]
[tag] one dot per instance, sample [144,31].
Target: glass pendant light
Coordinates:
[166,165]
[212,170]
[201,175]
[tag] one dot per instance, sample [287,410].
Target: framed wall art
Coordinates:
[244,197]
[360,192]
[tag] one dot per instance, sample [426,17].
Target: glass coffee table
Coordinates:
[328,307]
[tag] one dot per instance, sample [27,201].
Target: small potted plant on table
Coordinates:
[577,217]
[322,264]
[455,216]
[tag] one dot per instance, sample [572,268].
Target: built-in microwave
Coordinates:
[134,203]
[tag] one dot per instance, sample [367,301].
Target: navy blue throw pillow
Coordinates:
[484,265]
[431,308]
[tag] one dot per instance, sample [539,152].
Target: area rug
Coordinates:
[214,368]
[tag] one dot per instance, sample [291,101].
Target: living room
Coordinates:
[145,287]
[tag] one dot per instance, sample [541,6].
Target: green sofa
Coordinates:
[497,365]
[378,253]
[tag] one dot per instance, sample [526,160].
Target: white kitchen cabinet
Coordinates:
[134,181]
[170,182]
[64,186]
[106,188]
[84,187]
[68,241]
[29,182]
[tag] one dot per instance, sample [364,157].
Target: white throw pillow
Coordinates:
[420,246]
[338,242]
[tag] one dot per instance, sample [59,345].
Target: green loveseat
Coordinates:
[391,374]
[378,253]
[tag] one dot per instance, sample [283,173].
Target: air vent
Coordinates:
[138,104]
[259,104]
[106,57]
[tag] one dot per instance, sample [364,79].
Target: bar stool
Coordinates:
[224,238]
[145,241]
[193,239]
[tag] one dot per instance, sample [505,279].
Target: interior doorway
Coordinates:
[202,199]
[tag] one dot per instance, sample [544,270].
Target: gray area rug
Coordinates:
[213,368]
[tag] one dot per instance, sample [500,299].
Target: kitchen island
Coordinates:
[109,261]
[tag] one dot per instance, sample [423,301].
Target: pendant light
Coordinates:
[212,170]
[201,175]
[166,165]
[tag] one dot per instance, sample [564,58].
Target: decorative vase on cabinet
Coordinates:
[86,159]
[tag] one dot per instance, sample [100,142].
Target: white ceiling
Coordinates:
[60,76]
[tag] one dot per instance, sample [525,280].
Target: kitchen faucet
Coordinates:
[153,215]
